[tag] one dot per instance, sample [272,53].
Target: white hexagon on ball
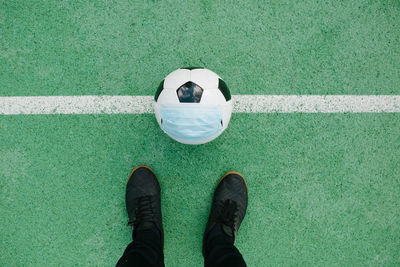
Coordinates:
[193,105]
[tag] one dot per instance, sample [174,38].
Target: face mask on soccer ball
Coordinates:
[193,106]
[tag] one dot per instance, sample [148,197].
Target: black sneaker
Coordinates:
[143,201]
[228,207]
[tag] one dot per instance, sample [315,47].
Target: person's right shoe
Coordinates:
[228,207]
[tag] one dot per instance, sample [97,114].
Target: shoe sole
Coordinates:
[141,166]
[233,172]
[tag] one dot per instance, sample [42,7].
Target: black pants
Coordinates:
[146,251]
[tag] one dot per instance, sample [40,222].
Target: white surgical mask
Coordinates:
[191,124]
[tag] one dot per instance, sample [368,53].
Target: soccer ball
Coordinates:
[193,105]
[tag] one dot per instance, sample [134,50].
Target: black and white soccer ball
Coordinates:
[193,105]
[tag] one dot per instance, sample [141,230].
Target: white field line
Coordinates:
[242,104]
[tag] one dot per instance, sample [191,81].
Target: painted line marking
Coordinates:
[317,103]
[30,105]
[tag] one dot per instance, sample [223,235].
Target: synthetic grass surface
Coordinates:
[324,189]
[258,47]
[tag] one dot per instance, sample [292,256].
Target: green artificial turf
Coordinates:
[324,189]
[258,47]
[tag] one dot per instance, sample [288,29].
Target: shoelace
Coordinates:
[144,211]
[227,213]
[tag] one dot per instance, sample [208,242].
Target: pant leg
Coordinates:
[220,250]
[145,251]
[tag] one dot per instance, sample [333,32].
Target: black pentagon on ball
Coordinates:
[159,90]
[224,89]
[192,68]
[189,93]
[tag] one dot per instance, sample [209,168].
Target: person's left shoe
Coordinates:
[143,201]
